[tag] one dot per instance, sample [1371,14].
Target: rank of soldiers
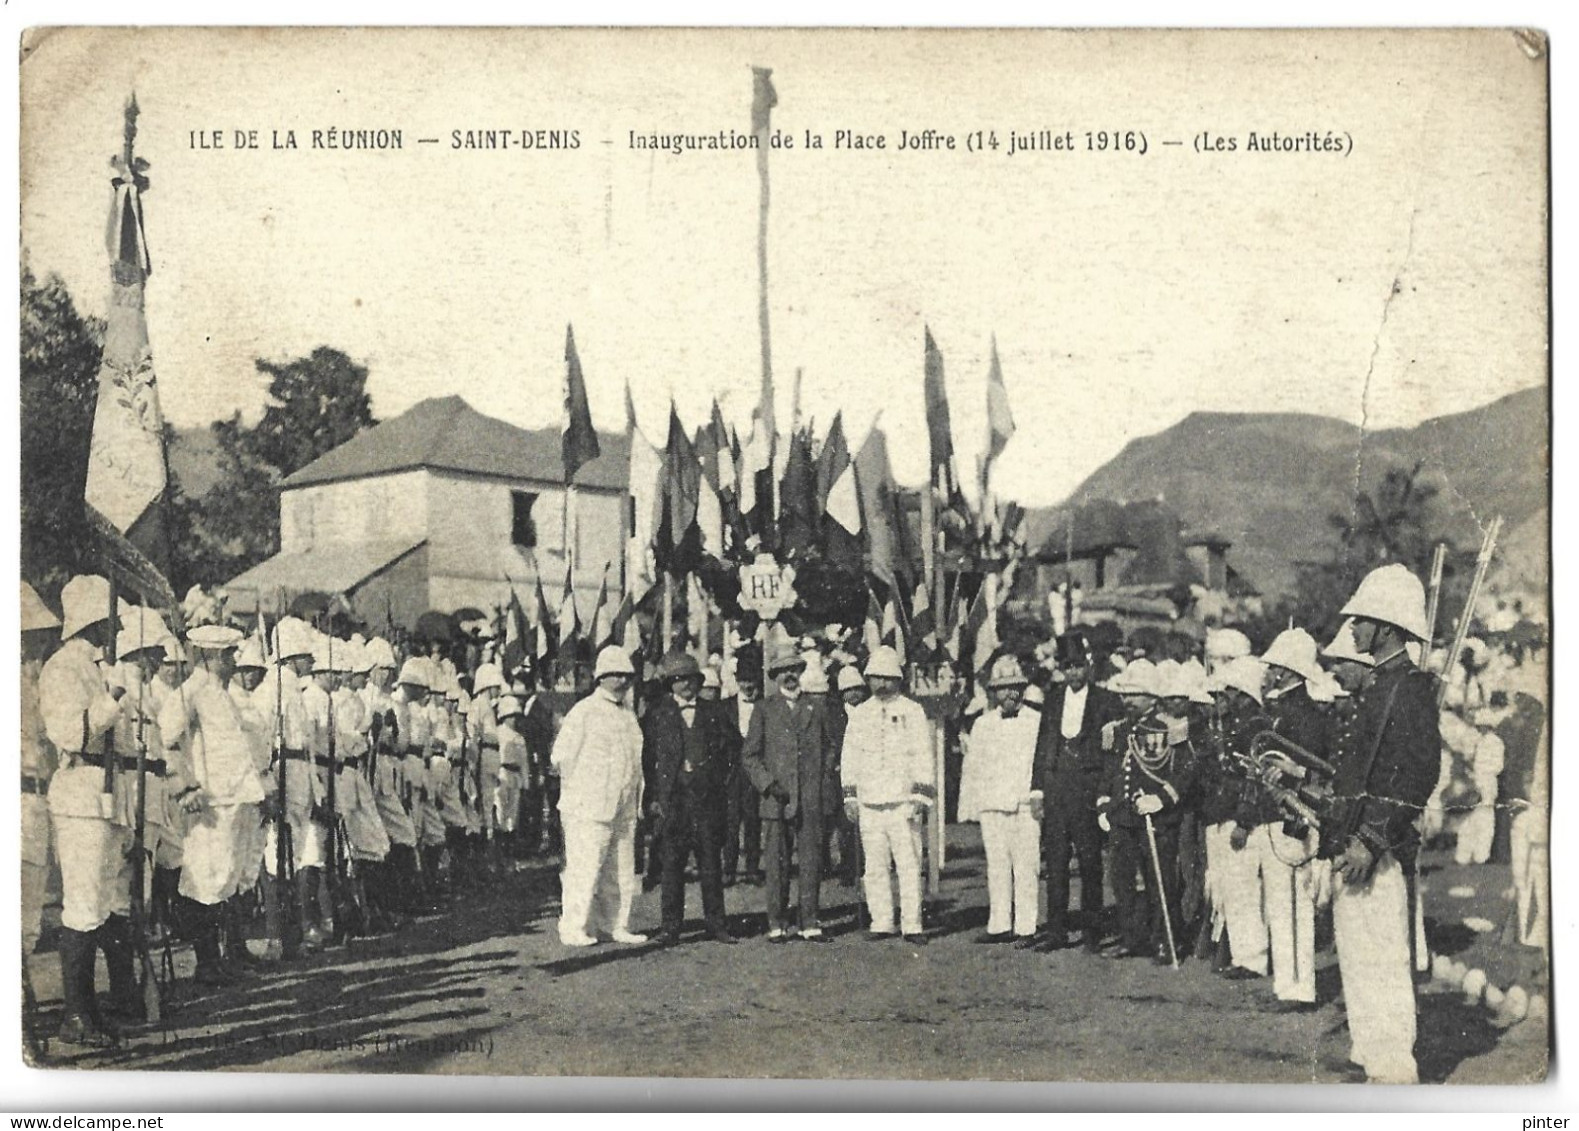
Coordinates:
[344,788]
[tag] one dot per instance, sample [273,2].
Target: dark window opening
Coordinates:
[523,530]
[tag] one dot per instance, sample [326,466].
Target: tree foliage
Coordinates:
[316,403]
[58,374]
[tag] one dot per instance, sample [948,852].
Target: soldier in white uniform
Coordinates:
[996,789]
[887,779]
[39,628]
[367,844]
[487,686]
[222,789]
[167,852]
[254,699]
[414,732]
[598,756]
[292,739]
[394,878]
[513,758]
[316,694]
[80,710]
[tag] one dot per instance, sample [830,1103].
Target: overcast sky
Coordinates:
[1125,291]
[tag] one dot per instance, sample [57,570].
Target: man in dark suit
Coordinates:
[1069,770]
[691,753]
[788,747]
[742,820]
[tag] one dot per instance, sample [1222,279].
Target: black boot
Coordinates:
[205,922]
[77,1023]
[237,957]
[126,1002]
[161,908]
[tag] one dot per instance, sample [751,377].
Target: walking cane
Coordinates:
[1162,891]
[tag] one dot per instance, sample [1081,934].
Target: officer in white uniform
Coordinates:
[80,710]
[222,789]
[887,779]
[996,789]
[292,739]
[598,756]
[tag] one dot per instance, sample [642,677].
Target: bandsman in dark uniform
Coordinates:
[1384,779]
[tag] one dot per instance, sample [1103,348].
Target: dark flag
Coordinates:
[940,435]
[838,499]
[678,545]
[879,508]
[516,634]
[579,439]
[542,623]
[798,510]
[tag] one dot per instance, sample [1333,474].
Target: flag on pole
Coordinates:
[923,624]
[602,616]
[893,629]
[646,504]
[624,628]
[682,479]
[940,436]
[543,645]
[568,621]
[981,630]
[1000,421]
[127,479]
[879,509]
[579,440]
[798,511]
[515,635]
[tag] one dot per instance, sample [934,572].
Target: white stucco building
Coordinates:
[443,508]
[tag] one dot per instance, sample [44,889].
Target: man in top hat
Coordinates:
[787,751]
[690,751]
[80,708]
[598,754]
[1071,763]
[39,632]
[998,788]
[220,789]
[742,818]
[1382,784]
[888,777]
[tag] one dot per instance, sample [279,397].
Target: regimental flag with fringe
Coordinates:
[127,475]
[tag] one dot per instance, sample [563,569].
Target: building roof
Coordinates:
[447,434]
[322,569]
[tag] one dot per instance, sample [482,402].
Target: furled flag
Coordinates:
[1000,421]
[646,506]
[879,508]
[923,625]
[681,488]
[625,629]
[893,629]
[543,646]
[981,629]
[798,512]
[602,616]
[837,494]
[940,436]
[756,465]
[579,439]
[126,481]
[569,621]
[515,634]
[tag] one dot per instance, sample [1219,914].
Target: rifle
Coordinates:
[284,850]
[151,1006]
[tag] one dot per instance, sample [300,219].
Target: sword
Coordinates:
[1162,891]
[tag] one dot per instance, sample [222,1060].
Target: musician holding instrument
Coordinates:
[1381,785]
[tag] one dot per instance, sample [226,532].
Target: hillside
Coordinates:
[1268,481]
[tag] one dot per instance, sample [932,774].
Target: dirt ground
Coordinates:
[487,988]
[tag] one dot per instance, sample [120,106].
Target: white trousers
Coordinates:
[1013,843]
[505,802]
[1235,881]
[890,844]
[598,885]
[95,874]
[309,846]
[1370,925]
[1288,904]
[219,849]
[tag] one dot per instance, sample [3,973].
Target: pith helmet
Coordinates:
[1343,646]
[1295,649]
[1006,672]
[414,672]
[85,602]
[850,678]
[488,675]
[884,664]
[613,660]
[1393,595]
[1242,673]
